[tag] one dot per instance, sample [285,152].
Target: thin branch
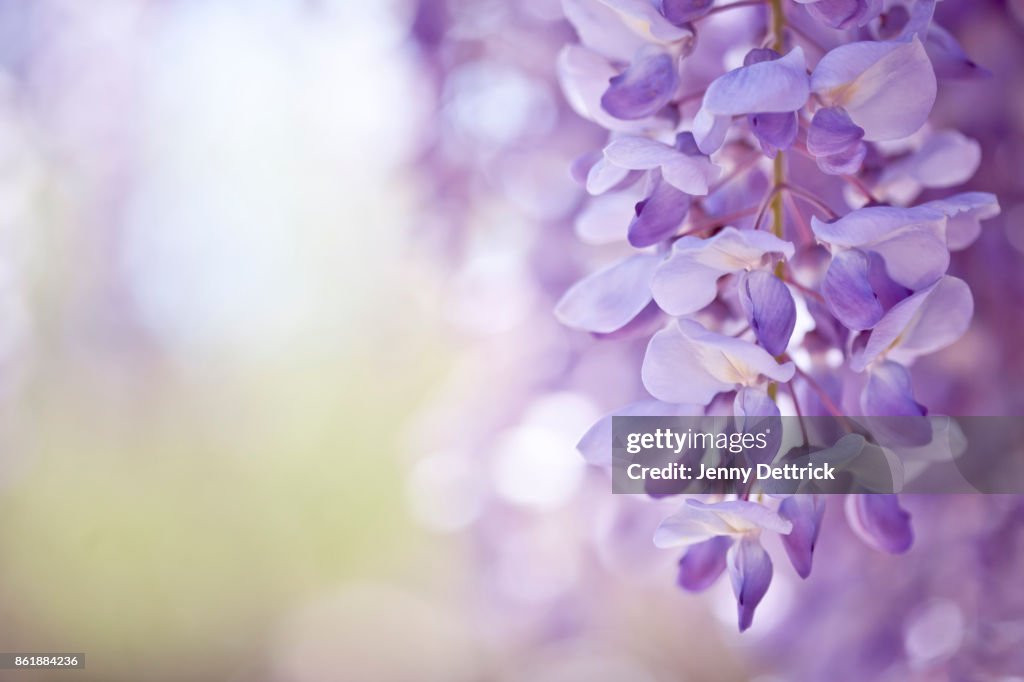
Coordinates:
[823,396]
[813,200]
[766,204]
[798,217]
[779,176]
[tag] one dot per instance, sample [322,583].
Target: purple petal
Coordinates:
[887,87]
[914,258]
[644,88]
[889,392]
[843,14]
[893,23]
[602,29]
[848,292]
[755,412]
[686,363]
[604,176]
[911,241]
[679,12]
[584,75]
[779,85]
[887,291]
[965,213]
[686,144]
[700,567]
[844,163]
[658,216]
[760,54]
[918,19]
[644,17]
[744,515]
[696,522]
[946,158]
[753,402]
[596,443]
[647,321]
[687,281]
[750,569]
[603,219]
[607,299]
[805,513]
[710,130]
[775,86]
[690,174]
[835,142]
[582,164]
[616,29]
[832,132]
[880,521]
[928,321]
[775,132]
[672,355]
[770,310]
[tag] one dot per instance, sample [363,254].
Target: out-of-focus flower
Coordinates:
[842,14]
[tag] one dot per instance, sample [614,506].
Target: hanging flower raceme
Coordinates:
[717,248]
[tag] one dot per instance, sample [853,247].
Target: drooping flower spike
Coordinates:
[714,233]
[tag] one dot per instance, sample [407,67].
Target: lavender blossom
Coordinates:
[728,233]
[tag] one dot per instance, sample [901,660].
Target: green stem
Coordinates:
[779,179]
[778,24]
[779,168]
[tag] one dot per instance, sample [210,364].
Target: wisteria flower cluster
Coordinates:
[759,187]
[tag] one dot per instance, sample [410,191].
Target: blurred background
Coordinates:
[279,377]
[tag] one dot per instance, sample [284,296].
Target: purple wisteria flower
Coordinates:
[757,202]
[720,535]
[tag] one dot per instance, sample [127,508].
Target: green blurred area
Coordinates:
[164,520]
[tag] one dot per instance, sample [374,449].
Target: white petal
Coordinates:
[690,174]
[686,363]
[687,280]
[604,175]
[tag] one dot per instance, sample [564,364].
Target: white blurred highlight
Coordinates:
[536,463]
[266,207]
